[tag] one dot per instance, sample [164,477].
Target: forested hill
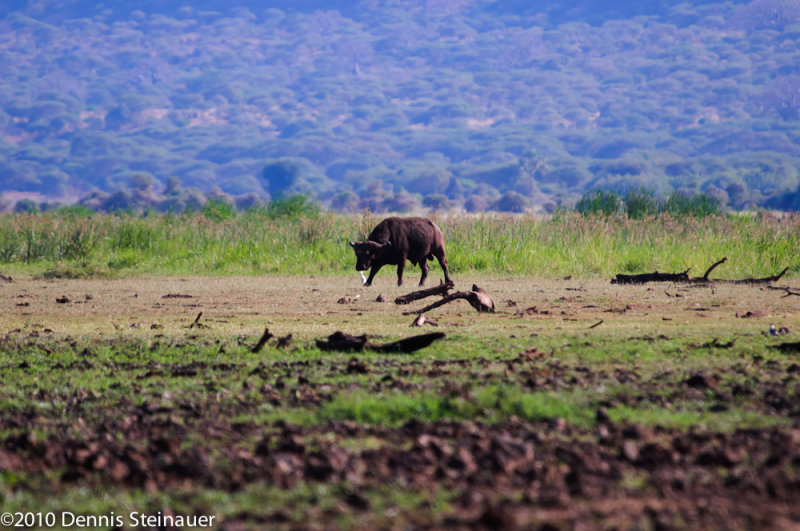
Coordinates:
[399,104]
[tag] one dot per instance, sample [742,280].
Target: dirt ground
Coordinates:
[311,306]
[171,425]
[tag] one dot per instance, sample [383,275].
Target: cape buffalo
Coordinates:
[396,240]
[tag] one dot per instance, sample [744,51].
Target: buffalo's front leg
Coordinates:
[400,267]
[372,273]
[424,266]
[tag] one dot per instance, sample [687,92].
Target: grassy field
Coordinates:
[67,244]
[131,383]
[578,403]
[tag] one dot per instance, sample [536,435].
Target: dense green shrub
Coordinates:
[640,204]
[295,206]
[698,205]
[27,205]
[217,209]
[78,211]
[600,202]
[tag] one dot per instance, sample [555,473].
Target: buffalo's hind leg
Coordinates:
[440,256]
[423,264]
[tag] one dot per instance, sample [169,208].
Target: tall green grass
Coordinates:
[75,244]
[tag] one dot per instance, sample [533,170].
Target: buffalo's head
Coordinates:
[367,252]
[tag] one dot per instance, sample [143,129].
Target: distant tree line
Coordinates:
[633,204]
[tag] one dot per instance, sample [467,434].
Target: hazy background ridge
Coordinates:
[398,105]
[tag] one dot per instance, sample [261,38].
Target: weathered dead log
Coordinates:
[441,289]
[478,299]
[651,277]
[486,302]
[345,342]
[685,278]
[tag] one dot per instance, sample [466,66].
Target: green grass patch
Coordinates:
[684,419]
[296,240]
[491,404]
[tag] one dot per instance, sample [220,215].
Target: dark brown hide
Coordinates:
[396,240]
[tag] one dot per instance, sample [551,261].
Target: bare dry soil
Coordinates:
[578,404]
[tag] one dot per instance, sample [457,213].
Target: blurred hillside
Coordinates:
[399,104]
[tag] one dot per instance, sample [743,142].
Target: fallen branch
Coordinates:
[409,344]
[478,299]
[710,269]
[340,341]
[685,278]
[765,280]
[441,289]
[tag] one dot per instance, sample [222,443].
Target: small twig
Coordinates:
[598,323]
[285,341]
[196,322]
[261,342]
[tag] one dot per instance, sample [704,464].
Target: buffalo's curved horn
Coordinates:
[353,245]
